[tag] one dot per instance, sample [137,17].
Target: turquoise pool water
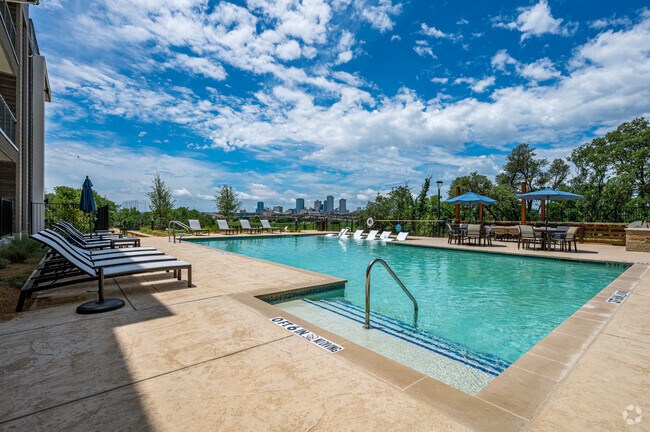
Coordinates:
[494,304]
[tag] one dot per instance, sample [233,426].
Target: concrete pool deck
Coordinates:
[207,357]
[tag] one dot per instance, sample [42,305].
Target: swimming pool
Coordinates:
[478,312]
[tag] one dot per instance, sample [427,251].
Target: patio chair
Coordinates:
[527,236]
[90,243]
[572,236]
[400,237]
[358,234]
[474,232]
[372,235]
[196,227]
[223,226]
[246,226]
[65,266]
[339,235]
[487,237]
[453,232]
[266,226]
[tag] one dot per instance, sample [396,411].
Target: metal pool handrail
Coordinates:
[406,291]
[171,229]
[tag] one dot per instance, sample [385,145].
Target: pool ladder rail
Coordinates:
[171,230]
[399,282]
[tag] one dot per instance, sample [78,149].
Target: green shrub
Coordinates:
[19,249]
[3,263]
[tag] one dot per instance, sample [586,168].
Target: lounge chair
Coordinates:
[384,235]
[223,226]
[90,243]
[246,226]
[358,234]
[400,237]
[527,236]
[372,235]
[266,226]
[94,255]
[339,235]
[66,266]
[195,225]
[102,234]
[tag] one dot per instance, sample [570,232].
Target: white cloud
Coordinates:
[439,80]
[478,86]
[462,21]
[141,134]
[289,50]
[501,59]
[379,15]
[610,22]
[536,20]
[345,48]
[540,70]
[423,49]
[395,37]
[433,32]
[182,193]
[201,66]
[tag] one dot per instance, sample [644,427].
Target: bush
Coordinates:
[3,263]
[19,249]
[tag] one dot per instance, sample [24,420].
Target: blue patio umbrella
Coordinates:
[549,195]
[470,198]
[87,203]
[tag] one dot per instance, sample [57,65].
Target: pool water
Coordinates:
[492,304]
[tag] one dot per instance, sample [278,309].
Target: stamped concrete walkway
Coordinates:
[207,358]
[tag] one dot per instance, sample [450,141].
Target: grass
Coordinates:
[24,255]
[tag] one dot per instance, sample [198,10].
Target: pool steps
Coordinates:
[484,362]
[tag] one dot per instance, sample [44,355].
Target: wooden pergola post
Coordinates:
[543,210]
[480,212]
[523,204]
[458,205]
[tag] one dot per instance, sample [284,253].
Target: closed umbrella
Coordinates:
[470,198]
[87,205]
[549,195]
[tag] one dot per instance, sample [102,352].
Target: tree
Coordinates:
[558,172]
[226,201]
[161,200]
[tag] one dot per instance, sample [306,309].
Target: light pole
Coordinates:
[439,183]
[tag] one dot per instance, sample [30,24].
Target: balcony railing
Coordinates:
[32,38]
[7,121]
[8,22]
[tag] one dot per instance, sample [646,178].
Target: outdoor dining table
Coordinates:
[547,232]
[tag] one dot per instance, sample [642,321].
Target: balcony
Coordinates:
[8,61]
[7,121]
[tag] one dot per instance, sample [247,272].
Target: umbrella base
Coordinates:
[96,306]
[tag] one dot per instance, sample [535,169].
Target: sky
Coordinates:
[286,99]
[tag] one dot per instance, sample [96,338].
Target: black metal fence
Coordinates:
[6,216]
[69,212]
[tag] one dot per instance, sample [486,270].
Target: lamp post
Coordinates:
[439,183]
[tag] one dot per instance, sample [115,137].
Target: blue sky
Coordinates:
[288,98]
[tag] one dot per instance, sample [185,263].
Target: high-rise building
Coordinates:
[277,209]
[260,207]
[342,206]
[24,89]
[317,205]
[300,204]
[329,204]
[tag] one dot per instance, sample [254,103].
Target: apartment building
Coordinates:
[24,89]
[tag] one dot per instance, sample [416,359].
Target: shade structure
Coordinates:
[470,198]
[549,195]
[87,203]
